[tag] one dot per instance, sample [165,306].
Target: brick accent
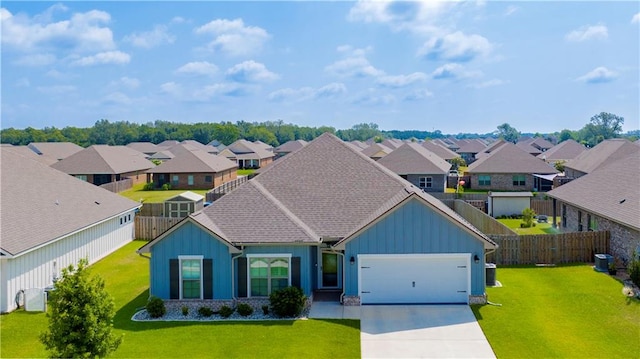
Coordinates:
[351,300]
[199,179]
[502,182]
[478,299]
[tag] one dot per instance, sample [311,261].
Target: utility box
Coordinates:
[602,262]
[490,274]
[34,300]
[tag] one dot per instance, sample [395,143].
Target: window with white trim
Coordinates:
[267,273]
[175,180]
[484,180]
[190,277]
[425,182]
[190,180]
[519,180]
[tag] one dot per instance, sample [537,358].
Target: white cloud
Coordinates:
[307,93]
[178,20]
[598,75]
[636,18]
[83,32]
[158,36]
[417,95]
[171,88]
[104,58]
[233,37]
[401,80]
[35,60]
[203,68]
[221,89]
[372,98]
[456,47]
[453,71]
[510,10]
[415,16]
[56,90]
[588,33]
[489,83]
[116,98]
[55,74]
[127,82]
[250,71]
[354,65]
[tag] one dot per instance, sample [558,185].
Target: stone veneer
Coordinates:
[624,240]
[502,182]
[478,299]
[351,300]
[216,304]
[354,300]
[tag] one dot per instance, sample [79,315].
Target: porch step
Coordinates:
[327,295]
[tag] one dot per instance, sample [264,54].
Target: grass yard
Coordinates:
[127,279]
[560,312]
[245,172]
[137,193]
[540,228]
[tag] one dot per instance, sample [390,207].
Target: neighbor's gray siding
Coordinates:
[190,239]
[414,228]
[439,182]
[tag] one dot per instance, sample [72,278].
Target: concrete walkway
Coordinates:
[412,331]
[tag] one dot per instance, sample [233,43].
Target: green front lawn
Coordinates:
[540,228]
[127,279]
[245,172]
[136,193]
[560,312]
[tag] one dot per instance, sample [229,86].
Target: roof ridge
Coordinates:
[284,209]
[101,155]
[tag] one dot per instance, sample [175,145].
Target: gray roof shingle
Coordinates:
[55,150]
[377,150]
[440,150]
[290,146]
[509,158]
[40,204]
[196,161]
[411,158]
[605,152]
[608,191]
[103,159]
[566,150]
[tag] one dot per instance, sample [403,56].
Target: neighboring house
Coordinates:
[219,146]
[194,169]
[199,146]
[168,143]
[148,148]
[376,151]
[607,198]
[55,150]
[509,168]
[27,152]
[602,154]
[162,156]
[469,150]
[392,143]
[508,203]
[539,143]
[423,168]
[359,144]
[440,150]
[289,147]
[264,145]
[526,146]
[184,204]
[100,164]
[50,220]
[562,152]
[248,155]
[323,218]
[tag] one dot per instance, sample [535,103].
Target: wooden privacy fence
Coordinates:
[118,186]
[151,227]
[225,188]
[152,210]
[541,206]
[573,247]
[479,219]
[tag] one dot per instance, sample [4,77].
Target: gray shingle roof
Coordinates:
[103,159]
[603,190]
[290,146]
[377,149]
[40,204]
[440,150]
[27,152]
[605,152]
[55,150]
[473,146]
[145,147]
[324,190]
[196,161]
[411,158]
[509,158]
[243,149]
[529,148]
[566,150]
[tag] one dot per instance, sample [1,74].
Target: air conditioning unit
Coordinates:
[602,262]
[34,300]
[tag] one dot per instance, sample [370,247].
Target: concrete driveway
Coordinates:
[421,331]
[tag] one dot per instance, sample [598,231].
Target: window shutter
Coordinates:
[207,278]
[174,279]
[242,277]
[295,272]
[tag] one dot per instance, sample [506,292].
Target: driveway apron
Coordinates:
[421,331]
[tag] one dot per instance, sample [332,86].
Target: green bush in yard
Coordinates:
[155,307]
[205,311]
[244,309]
[634,269]
[225,311]
[287,302]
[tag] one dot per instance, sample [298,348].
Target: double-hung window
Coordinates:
[268,273]
[175,180]
[425,182]
[190,277]
[190,180]
[484,180]
[519,180]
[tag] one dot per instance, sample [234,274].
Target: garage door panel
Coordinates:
[414,279]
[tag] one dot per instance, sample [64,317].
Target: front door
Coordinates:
[329,270]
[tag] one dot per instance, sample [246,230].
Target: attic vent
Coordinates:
[624,199]
[96,202]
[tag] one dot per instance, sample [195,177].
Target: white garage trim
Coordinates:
[424,278]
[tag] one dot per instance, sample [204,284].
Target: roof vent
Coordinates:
[96,202]
[624,199]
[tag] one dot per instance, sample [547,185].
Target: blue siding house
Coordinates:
[326,219]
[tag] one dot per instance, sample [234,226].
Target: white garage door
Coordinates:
[414,278]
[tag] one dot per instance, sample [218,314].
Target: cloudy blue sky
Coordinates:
[449,66]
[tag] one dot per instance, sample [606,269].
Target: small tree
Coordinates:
[458,162]
[527,217]
[80,316]
[559,165]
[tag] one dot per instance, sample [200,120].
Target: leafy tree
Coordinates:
[458,162]
[508,133]
[566,135]
[559,165]
[80,316]
[603,126]
[528,215]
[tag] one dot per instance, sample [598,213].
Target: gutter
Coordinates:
[233,285]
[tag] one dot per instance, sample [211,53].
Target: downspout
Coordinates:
[343,274]
[233,285]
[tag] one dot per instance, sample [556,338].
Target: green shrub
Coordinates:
[155,307]
[527,218]
[185,310]
[634,269]
[148,187]
[287,302]
[225,311]
[166,186]
[265,309]
[244,309]
[205,311]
